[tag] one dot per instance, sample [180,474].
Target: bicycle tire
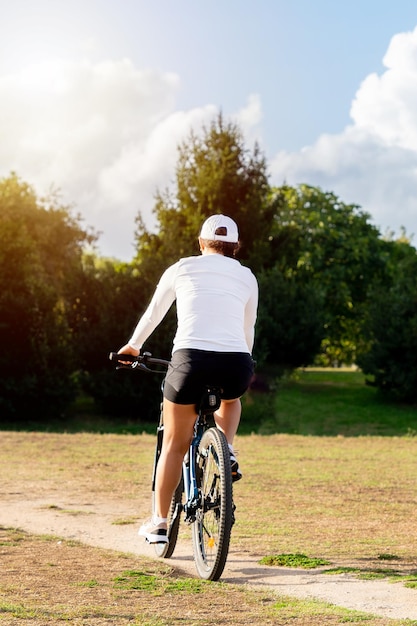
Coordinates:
[165,550]
[214,520]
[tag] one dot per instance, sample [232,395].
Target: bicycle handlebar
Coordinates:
[129,361]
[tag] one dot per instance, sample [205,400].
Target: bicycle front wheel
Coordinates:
[214,518]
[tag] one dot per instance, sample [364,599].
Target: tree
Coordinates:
[215,174]
[40,251]
[332,245]
[291,319]
[390,329]
[109,301]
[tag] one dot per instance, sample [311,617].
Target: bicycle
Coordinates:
[205,493]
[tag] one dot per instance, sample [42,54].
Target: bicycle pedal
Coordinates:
[152,543]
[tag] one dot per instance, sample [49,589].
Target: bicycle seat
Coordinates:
[210,400]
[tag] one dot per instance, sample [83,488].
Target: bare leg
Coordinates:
[179,422]
[227,418]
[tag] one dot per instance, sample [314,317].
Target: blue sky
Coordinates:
[95,96]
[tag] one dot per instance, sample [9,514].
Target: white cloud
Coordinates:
[251,114]
[373,162]
[105,134]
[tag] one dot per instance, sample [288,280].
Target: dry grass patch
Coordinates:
[336,498]
[46,580]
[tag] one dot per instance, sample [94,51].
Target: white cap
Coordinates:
[220,228]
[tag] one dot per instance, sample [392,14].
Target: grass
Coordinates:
[329,468]
[325,403]
[94,587]
[293,560]
[125,521]
[341,482]
[158,585]
[392,575]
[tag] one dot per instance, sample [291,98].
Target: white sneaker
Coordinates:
[154,533]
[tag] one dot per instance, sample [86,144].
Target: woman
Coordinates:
[217,302]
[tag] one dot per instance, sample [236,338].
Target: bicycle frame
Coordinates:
[190,471]
[204,420]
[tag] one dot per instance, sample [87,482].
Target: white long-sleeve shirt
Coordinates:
[217,301]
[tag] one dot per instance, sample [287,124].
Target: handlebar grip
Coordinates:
[128,358]
[142,362]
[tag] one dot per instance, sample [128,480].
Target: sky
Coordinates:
[96,96]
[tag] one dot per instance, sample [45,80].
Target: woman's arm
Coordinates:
[158,307]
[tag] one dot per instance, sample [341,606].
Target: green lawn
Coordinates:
[327,402]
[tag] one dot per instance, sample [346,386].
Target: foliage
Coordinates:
[109,302]
[40,254]
[215,174]
[391,329]
[332,244]
[291,320]
[332,290]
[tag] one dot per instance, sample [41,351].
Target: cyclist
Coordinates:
[217,300]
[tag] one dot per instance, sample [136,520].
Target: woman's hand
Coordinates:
[127,349]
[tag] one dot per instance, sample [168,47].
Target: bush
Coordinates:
[291,321]
[392,330]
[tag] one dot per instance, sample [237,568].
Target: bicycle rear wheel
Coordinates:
[214,520]
[165,550]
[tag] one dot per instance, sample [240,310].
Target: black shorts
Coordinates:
[191,371]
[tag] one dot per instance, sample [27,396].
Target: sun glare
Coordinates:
[37,37]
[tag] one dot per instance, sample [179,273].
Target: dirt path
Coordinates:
[93,524]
